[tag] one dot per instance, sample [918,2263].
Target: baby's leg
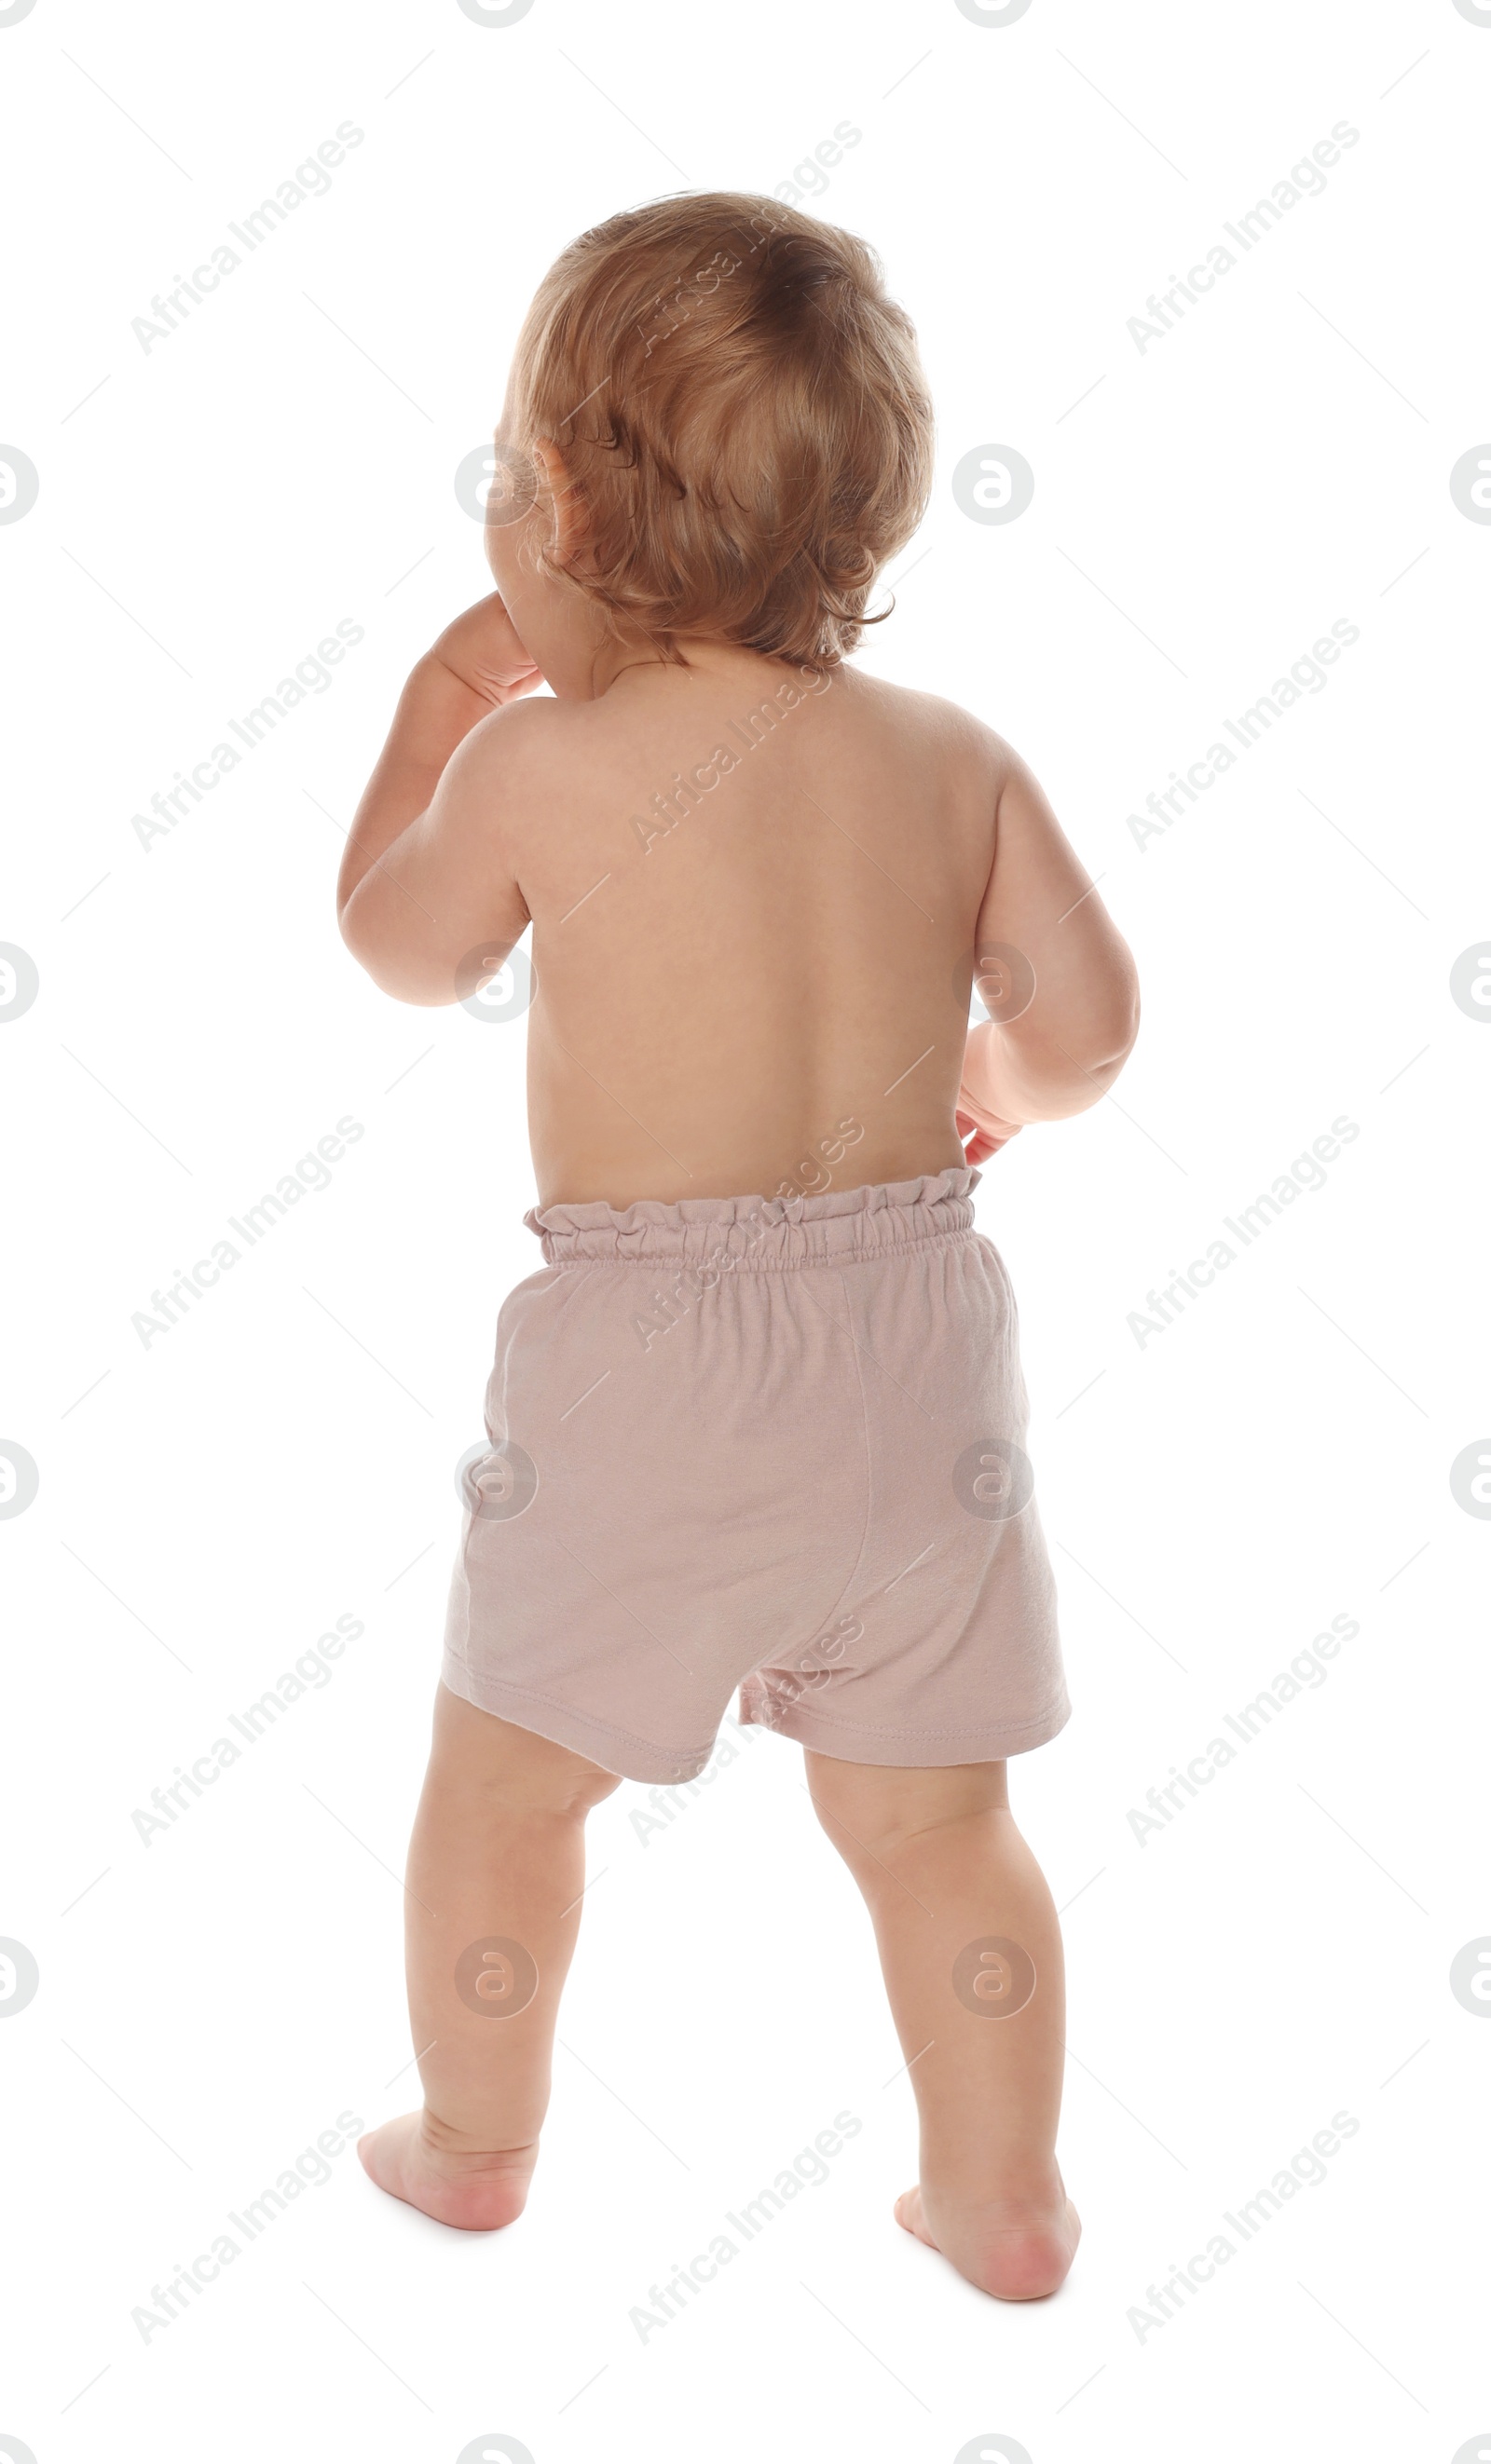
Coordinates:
[955,1895]
[496,1873]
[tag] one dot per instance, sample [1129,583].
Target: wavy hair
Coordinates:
[743,413]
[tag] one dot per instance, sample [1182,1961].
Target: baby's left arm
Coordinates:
[1073,1025]
[426,881]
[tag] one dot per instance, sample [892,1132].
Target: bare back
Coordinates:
[755,893]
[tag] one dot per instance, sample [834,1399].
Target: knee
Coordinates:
[528,1787]
[859,1807]
[590,1787]
[570,1788]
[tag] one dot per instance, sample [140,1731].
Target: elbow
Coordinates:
[1121,1025]
[355,942]
[1049,1068]
[1112,1042]
[397,972]
[348,918]
[1085,1064]
[1111,1026]
[402,983]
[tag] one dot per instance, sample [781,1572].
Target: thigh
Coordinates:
[472,1749]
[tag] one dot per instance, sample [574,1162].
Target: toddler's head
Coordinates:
[731,416]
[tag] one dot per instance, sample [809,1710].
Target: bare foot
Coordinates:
[414,2159]
[1018,2249]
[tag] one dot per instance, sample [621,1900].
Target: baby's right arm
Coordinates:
[1061,1051]
[426,879]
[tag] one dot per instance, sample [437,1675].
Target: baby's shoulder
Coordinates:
[519,757]
[939,730]
[520,735]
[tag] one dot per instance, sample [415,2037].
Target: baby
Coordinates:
[758,1421]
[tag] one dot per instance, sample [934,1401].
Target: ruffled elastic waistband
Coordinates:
[762,1233]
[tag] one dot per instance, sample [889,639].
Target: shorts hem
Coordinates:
[910,1749]
[627,1757]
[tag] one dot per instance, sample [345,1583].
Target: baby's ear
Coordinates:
[571,515]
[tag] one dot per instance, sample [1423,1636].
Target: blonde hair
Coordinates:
[743,413]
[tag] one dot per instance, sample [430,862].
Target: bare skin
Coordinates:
[499,1853]
[941,1866]
[498,1850]
[719,989]
[756,893]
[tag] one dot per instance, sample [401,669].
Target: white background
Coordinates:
[208,1504]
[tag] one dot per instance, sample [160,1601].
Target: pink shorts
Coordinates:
[765,1443]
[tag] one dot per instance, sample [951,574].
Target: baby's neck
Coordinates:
[636,667]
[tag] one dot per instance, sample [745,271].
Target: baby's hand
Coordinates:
[985,1137]
[482,648]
